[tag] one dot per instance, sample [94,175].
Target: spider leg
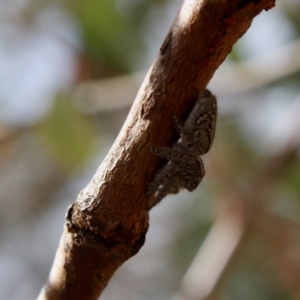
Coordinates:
[162,191]
[178,124]
[165,152]
[159,179]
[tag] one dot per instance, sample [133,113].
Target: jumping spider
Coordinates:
[185,168]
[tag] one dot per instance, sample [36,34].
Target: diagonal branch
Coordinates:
[108,222]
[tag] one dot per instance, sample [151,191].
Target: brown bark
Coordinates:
[108,222]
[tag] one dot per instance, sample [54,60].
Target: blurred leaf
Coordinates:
[291,9]
[110,38]
[69,136]
[292,177]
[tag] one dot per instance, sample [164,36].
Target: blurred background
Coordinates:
[69,72]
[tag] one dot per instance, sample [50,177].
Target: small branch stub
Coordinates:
[108,222]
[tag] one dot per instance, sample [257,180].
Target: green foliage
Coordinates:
[110,38]
[292,177]
[69,136]
[113,34]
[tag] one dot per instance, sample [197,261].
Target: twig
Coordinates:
[108,222]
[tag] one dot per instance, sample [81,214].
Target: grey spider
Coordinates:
[185,168]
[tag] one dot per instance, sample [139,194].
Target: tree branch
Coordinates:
[108,222]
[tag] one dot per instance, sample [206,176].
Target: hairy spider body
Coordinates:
[185,168]
[198,131]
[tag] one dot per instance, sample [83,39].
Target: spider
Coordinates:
[185,168]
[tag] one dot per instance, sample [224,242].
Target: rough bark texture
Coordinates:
[108,222]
